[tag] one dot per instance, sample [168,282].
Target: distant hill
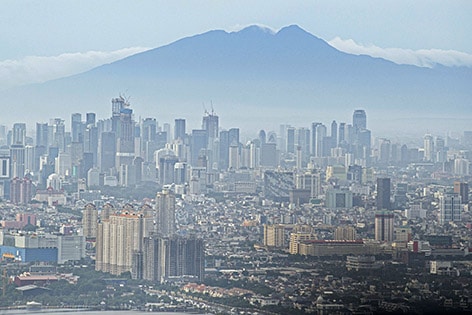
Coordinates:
[253,77]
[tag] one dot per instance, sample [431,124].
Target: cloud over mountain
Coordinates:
[422,58]
[37,69]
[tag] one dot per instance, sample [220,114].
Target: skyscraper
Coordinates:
[462,189]
[171,257]
[198,143]
[450,208]
[77,127]
[41,134]
[383,194]
[290,140]
[334,133]
[19,134]
[165,211]
[125,141]
[429,148]
[359,120]
[210,124]
[120,240]
[179,129]
[89,221]
[384,226]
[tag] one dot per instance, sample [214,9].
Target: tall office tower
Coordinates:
[428,148]
[76,152]
[268,155]
[197,145]
[21,190]
[262,137]
[441,150]
[179,129]
[461,167]
[107,151]
[19,134]
[76,127]
[303,140]
[180,173]
[342,134]
[334,134]
[449,208]
[58,131]
[384,226]
[166,169]
[254,155]
[462,189]
[17,160]
[63,164]
[359,120]
[290,140]
[30,165]
[384,151]
[400,197]
[313,138]
[41,135]
[173,257]
[233,136]
[90,222]
[383,194]
[90,119]
[3,135]
[466,139]
[125,139]
[274,235]
[91,142]
[320,141]
[120,240]
[148,138]
[224,143]
[210,124]
[117,104]
[165,211]
[234,161]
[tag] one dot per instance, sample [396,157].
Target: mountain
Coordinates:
[254,76]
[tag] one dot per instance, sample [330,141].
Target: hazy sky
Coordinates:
[45,39]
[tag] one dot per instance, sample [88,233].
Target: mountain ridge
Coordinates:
[257,70]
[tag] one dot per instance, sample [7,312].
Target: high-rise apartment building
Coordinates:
[21,190]
[274,235]
[345,233]
[173,257]
[120,239]
[165,211]
[90,221]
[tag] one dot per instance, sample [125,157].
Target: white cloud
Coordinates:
[36,69]
[422,58]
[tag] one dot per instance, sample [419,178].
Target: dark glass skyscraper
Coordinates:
[383,193]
